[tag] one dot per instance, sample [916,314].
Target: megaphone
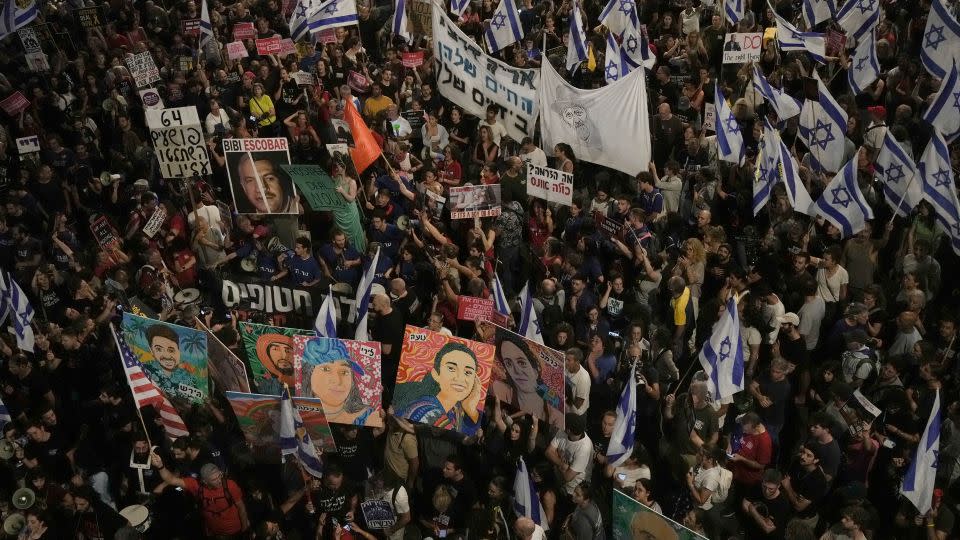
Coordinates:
[276,246]
[403,222]
[24,498]
[14,524]
[7,449]
[108,178]
[138,516]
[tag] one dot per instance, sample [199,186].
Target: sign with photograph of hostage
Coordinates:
[259,419]
[174,357]
[344,375]
[466,202]
[257,181]
[227,371]
[270,355]
[551,185]
[442,381]
[742,47]
[527,375]
[178,141]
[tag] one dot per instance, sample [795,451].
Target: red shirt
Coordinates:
[756,448]
[221,515]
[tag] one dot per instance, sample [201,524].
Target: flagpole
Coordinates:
[902,197]
[303,472]
[116,341]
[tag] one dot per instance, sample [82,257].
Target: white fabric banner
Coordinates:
[609,126]
[473,80]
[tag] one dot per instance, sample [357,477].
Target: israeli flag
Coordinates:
[722,355]
[613,68]
[206,29]
[843,204]
[895,169]
[823,128]
[576,41]
[399,23]
[938,187]
[457,7]
[864,68]
[618,15]
[939,43]
[790,174]
[782,103]
[529,326]
[13,17]
[625,427]
[817,11]
[729,137]
[499,298]
[922,472]
[505,28]
[22,314]
[363,299]
[300,19]
[859,17]
[333,14]
[4,299]
[791,39]
[734,10]
[326,323]
[5,417]
[294,438]
[635,48]
[765,175]
[526,500]
[944,113]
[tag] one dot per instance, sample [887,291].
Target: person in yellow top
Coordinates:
[376,103]
[261,107]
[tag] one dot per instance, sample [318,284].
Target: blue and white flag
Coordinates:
[722,355]
[944,112]
[729,137]
[618,15]
[206,29]
[4,298]
[500,302]
[864,68]
[526,500]
[898,174]
[938,187]
[399,22]
[505,28]
[457,7]
[294,438]
[782,103]
[326,323]
[922,472]
[817,11]
[938,50]
[734,10]
[5,417]
[613,65]
[363,299]
[14,17]
[790,174]
[635,48]
[791,39]
[765,175]
[823,128]
[842,202]
[859,17]
[22,314]
[577,40]
[300,19]
[529,326]
[333,14]
[624,436]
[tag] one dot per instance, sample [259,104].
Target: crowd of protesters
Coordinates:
[826,321]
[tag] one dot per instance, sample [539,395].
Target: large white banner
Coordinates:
[178,141]
[471,79]
[609,126]
[549,184]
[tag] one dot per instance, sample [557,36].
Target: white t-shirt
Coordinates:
[632,475]
[811,316]
[578,454]
[580,384]
[829,287]
[537,157]
[772,312]
[210,212]
[716,481]
[400,506]
[213,120]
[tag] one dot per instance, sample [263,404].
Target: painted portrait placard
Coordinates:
[344,375]
[259,419]
[270,354]
[174,357]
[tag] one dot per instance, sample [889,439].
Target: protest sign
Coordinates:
[338,148]
[44,34]
[327,35]
[226,370]
[470,308]
[835,42]
[343,374]
[318,188]
[549,184]
[14,104]
[178,141]
[143,69]
[251,295]
[632,520]
[155,222]
[526,375]
[259,418]
[412,59]
[419,14]
[270,355]
[742,47]
[105,234]
[89,17]
[270,45]
[607,226]
[466,374]
[466,202]
[236,49]
[378,514]
[190,27]
[257,182]
[287,47]
[244,30]
[473,80]
[29,40]
[37,62]
[303,78]
[26,145]
[173,357]
[709,116]
[151,98]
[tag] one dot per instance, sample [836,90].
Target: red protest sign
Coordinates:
[190,27]
[474,309]
[836,41]
[328,35]
[15,104]
[287,47]
[270,45]
[412,59]
[236,49]
[244,30]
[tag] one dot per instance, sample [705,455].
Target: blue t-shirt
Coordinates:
[390,238]
[384,264]
[337,263]
[303,270]
[266,265]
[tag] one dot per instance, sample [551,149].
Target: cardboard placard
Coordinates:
[105,234]
[607,226]
[155,222]
[15,104]
[270,45]
[287,47]
[143,68]
[26,145]
[470,308]
[37,61]
[835,42]
[244,30]
[178,141]
[151,98]
[29,40]
[552,185]
[467,202]
[317,187]
[190,27]
[378,514]
[236,49]
[303,78]
[412,59]
[709,116]
[742,47]
[328,35]
[89,17]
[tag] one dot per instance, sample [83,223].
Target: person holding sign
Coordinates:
[448,396]
[261,108]
[260,180]
[524,388]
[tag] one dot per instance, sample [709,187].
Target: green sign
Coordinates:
[634,521]
[317,187]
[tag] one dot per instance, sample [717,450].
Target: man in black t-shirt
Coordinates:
[337,497]
[805,485]
[768,514]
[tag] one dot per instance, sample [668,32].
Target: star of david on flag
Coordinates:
[722,355]
[842,203]
[866,69]
[938,188]
[940,38]
[505,28]
[944,112]
[729,138]
[898,172]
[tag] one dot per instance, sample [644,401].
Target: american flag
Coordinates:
[147,393]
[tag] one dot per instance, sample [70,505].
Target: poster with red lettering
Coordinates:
[14,104]
[258,183]
[244,30]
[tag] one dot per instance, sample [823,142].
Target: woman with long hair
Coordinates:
[565,157]
[485,151]
[449,168]
[691,266]
[330,374]
[523,387]
[448,396]
[347,217]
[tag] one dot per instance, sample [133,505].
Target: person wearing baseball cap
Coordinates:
[793,349]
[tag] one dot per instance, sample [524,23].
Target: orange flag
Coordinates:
[366,149]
